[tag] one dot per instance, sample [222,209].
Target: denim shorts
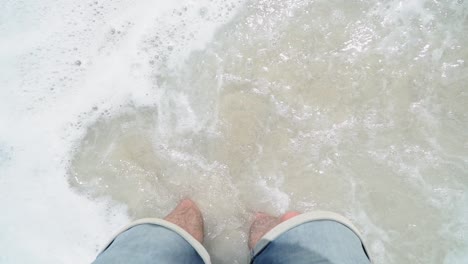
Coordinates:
[316,237]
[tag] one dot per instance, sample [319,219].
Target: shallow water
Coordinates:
[355,107]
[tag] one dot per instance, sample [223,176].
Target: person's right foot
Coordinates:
[263,223]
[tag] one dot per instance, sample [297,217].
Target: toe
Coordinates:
[289,215]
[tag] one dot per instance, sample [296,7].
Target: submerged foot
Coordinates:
[187,215]
[263,223]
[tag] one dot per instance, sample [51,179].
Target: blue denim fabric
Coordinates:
[148,243]
[322,241]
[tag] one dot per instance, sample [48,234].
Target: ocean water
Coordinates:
[115,110]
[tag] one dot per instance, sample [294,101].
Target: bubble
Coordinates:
[203,12]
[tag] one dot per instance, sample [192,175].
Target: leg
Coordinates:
[172,240]
[306,241]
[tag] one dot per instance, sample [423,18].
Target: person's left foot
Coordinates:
[187,216]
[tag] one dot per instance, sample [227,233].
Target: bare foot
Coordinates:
[289,215]
[264,223]
[187,216]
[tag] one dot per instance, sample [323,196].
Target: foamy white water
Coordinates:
[114,110]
